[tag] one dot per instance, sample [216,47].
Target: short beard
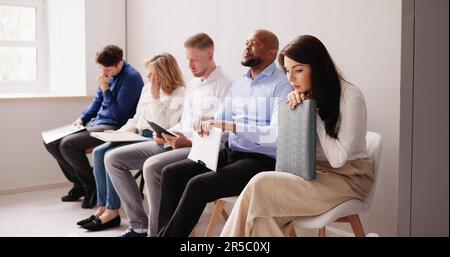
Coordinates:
[253,62]
[200,74]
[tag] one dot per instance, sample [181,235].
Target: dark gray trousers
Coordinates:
[69,152]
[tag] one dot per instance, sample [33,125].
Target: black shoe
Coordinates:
[73,195]
[86,221]
[90,200]
[96,224]
[131,233]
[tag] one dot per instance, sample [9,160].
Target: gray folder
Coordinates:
[296,142]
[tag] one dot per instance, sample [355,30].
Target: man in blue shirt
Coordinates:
[249,116]
[120,86]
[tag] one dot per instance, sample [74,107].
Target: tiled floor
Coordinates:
[42,214]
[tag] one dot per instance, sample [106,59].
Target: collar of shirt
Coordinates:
[215,75]
[267,72]
[122,71]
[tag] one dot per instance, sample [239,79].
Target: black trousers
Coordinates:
[69,152]
[187,186]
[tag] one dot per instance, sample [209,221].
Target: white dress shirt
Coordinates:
[202,98]
[352,129]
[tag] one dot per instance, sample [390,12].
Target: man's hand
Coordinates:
[103,82]
[78,122]
[158,140]
[206,126]
[203,127]
[198,124]
[179,141]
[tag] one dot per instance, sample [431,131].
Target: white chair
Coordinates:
[345,212]
[348,211]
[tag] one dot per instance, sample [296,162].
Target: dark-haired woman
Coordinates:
[272,199]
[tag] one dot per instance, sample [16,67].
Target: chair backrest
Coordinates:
[374,145]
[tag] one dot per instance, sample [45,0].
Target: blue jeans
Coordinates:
[106,194]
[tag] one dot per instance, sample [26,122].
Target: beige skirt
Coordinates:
[275,198]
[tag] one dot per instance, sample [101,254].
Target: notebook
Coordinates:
[58,133]
[115,136]
[296,142]
[205,150]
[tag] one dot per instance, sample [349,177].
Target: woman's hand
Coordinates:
[155,88]
[295,98]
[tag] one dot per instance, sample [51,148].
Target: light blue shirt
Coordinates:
[253,105]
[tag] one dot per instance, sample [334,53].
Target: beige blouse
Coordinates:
[165,111]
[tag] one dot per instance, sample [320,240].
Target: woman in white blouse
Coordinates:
[343,170]
[161,101]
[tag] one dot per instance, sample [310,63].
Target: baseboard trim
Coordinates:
[10,191]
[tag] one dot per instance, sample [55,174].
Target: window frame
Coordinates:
[41,45]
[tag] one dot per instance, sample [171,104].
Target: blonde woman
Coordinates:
[160,102]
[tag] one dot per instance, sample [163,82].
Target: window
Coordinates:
[23,46]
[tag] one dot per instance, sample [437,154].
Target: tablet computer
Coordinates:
[159,130]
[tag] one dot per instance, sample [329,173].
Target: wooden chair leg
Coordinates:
[224,215]
[290,231]
[357,227]
[89,150]
[322,232]
[219,207]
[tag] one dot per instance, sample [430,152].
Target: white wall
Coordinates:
[363,36]
[23,157]
[66,39]
[105,24]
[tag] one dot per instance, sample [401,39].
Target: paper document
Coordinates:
[205,150]
[115,136]
[58,133]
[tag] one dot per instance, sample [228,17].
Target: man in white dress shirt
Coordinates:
[204,95]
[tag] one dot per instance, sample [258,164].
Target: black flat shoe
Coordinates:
[96,224]
[86,221]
